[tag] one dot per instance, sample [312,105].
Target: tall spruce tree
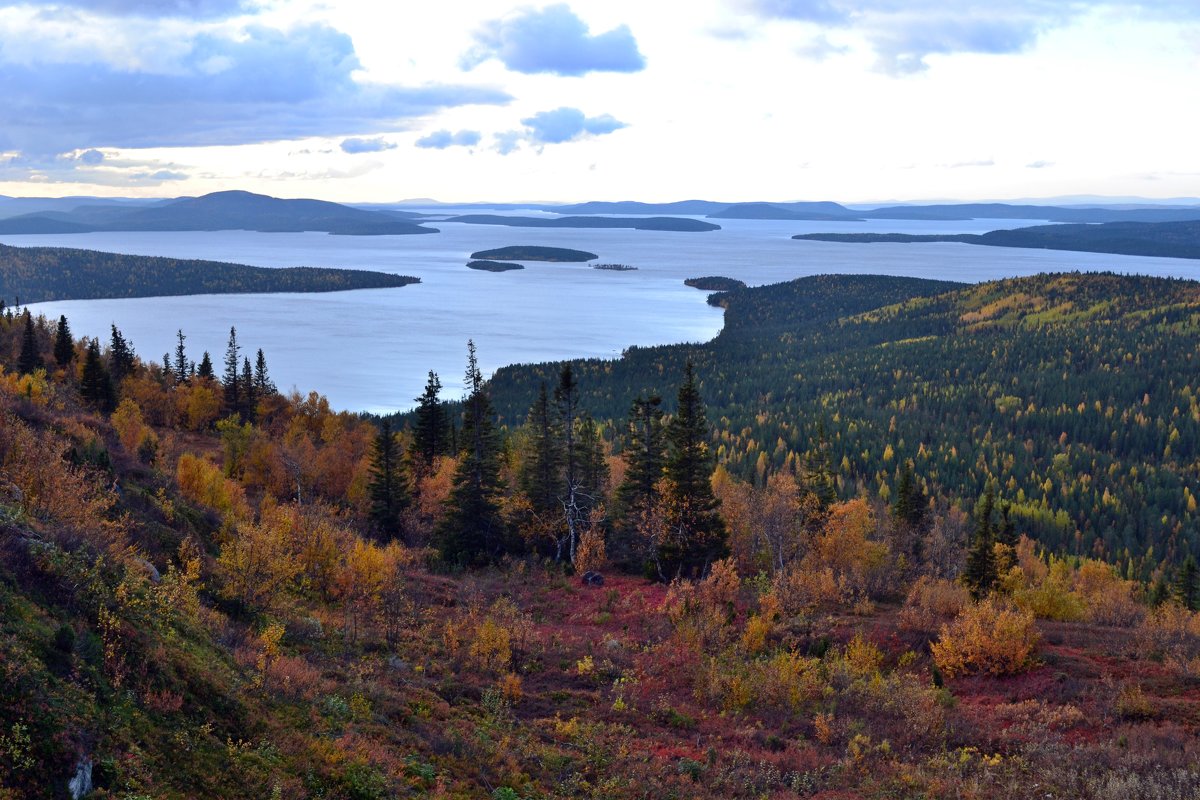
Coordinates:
[95,386]
[541,465]
[64,345]
[205,369]
[819,471]
[1187,584]
[696,533]
[980,574]
[120,356]
[180,366]
[249,394]
[566,403]
[388,488]
[472,530]
[911,507]
[263,385]
[30,358]
[231,380]
[430,430]
[645,454]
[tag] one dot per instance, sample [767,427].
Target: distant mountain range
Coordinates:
[232,210]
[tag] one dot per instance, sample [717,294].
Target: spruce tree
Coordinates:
[263,385]
[1187,584]
[911,507]
[181,362]
[697,535]
[95,386]
[541,466]
[980,574]
[472,530]
[233,393]
[29,359]
[249,394]
[64,345]
[645,454]
[120,356]
[205,369]
[566,403]
[820,473]
[430,432]
[388,488]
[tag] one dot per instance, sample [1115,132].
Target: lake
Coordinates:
[370,350]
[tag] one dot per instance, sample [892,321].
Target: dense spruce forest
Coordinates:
[680,224]
[38,274]
[211,589]
[1075,393]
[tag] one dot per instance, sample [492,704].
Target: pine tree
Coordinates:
[388,488]
[697,535]
[430,434]
[95,386]
[980,574]
[1187,584]
[64,345]
[263,385]
[29,359]
[472,531]
[233,393]
[205,370]
[120,356]
[181,361]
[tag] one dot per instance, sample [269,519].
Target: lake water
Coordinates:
[371,349]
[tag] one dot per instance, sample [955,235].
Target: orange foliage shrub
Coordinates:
[986,637]
[258,561]
[931,602]
[1109,599]
[844,565]
[591,554]
[202,482]
[197,404]
[1172,632]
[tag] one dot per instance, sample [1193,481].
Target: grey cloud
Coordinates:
[564,124]
[90,157]
[85,169]
[554,40]
[903,33]
[373,145]
[507,141]
[820,48]
[440,140]
[1039,164]
[261,85]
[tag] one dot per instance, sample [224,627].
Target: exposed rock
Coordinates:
[81,785]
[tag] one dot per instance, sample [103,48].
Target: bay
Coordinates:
[370,350]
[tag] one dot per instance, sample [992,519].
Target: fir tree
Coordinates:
[697,535]
[233,393]
[1187,584]
[95,386]
[181,361]
[472,530]
[64,346]
[29,359]
[205,369]
[120,356]
[980,574]
[263,385]
[388,488]
[430,438]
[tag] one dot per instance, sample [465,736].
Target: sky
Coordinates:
[856,101]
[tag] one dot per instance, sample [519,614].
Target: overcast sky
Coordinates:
[365,100]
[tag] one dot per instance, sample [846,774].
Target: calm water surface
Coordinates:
[371,349]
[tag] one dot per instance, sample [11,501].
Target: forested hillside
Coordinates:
[1075,393]
[38,274]
[210,589]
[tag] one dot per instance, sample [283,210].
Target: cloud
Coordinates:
[904,33]
[1039,164]
[90,157]
[508,141]
[440,140]
[373,145]
[566,124]
[820,48]
[90,167]
[553,40]
[984,162]
[196,9]
[207,87]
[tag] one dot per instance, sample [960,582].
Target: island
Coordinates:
[679,224]
[615,267]
[715,283]
[1157,239]
[39,274]
[493,266]
[529,252]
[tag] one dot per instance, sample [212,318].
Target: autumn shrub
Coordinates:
[590,556]
[1172,633]
[203,482]
[1052,597]
[932,602]
[1108,599]
[987,637]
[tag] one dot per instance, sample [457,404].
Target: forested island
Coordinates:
[38,274]
[715,283]
[526,252]
[493,266]
[615,267]
[1161,239]
[680,224]
[826,564]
